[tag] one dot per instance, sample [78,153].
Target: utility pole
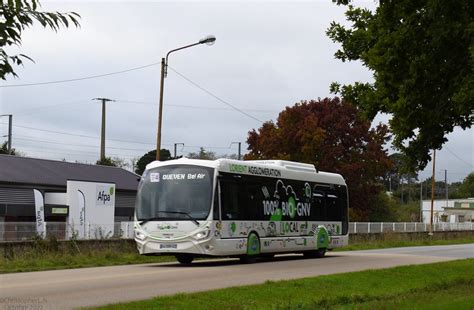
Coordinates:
[421,200]
[102,131]
[402,189]
[432,193]
[239,153]
[446,185]
[175,147]
[10,121]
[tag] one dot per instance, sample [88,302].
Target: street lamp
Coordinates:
[209,40]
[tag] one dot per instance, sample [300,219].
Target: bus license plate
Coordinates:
[168,246]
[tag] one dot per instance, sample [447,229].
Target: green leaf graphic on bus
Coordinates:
[286,203]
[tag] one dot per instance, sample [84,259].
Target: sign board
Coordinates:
[59,211]
[39,213]
[91,209]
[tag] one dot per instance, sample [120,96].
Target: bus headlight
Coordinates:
[202,234]
[139,235]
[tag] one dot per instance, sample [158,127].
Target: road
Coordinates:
[61,289]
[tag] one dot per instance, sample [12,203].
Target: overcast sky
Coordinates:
[268,55]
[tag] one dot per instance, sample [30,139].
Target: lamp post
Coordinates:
[209,40]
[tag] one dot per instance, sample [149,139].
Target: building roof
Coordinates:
[24,170]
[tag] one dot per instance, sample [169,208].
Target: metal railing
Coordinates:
[23,231]
[405,227]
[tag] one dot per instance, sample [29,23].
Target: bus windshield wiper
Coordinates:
[150,219]
[184,213]
[171,212]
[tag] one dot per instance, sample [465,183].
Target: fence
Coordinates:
[21,231]
[397,227]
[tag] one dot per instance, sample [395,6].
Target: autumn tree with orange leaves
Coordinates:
[330,134]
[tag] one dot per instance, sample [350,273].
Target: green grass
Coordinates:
[50,254]
[67,261]
[446,285]
[394,241]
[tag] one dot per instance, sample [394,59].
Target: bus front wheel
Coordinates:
[184,258]
[253,249]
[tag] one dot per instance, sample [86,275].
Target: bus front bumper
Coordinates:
[164,247]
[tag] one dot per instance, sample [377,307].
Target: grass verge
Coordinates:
[435,286]
[392,240]
[51,254]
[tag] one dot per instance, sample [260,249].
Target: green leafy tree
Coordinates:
[150,157]
[330,134]
[18,15]
[440,188]
[421,54]
[399,173]
[202,154]
[4,149]
[466,189]
[107,161]
[454,190]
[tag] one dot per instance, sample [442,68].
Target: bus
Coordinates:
[206,208]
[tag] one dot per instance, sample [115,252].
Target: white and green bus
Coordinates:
[194,208]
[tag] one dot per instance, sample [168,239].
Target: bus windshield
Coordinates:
[175,193]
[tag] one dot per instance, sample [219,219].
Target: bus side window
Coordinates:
[230,200]
[250,200]
[319,212]
[342,193]
[215,215]
[333,207]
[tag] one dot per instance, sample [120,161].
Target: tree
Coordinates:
[229,156]
[421,54]
[466,190]
[107,161]
[18,15]
[150,157]
[202,154]
[399,173]
[4,149]
[330,134]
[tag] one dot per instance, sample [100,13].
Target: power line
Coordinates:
[79,145]
[81,78]
[471,165]
[117,140]
[206,147]
[213,95]
[194,107]
[78,152]
[35,110]
[79,135]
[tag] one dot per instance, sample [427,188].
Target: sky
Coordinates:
[268,55]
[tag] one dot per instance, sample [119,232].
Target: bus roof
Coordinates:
[268,168]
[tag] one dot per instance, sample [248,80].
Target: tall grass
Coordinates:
[47,254]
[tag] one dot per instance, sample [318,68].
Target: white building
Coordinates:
[448,211]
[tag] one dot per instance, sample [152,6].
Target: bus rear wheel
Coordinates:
[319,253]
[184,258]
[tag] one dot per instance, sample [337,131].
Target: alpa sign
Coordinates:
[105,195]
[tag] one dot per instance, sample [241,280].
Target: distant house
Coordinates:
[449,211]
[36,189]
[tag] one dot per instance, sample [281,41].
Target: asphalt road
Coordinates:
[65,289]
